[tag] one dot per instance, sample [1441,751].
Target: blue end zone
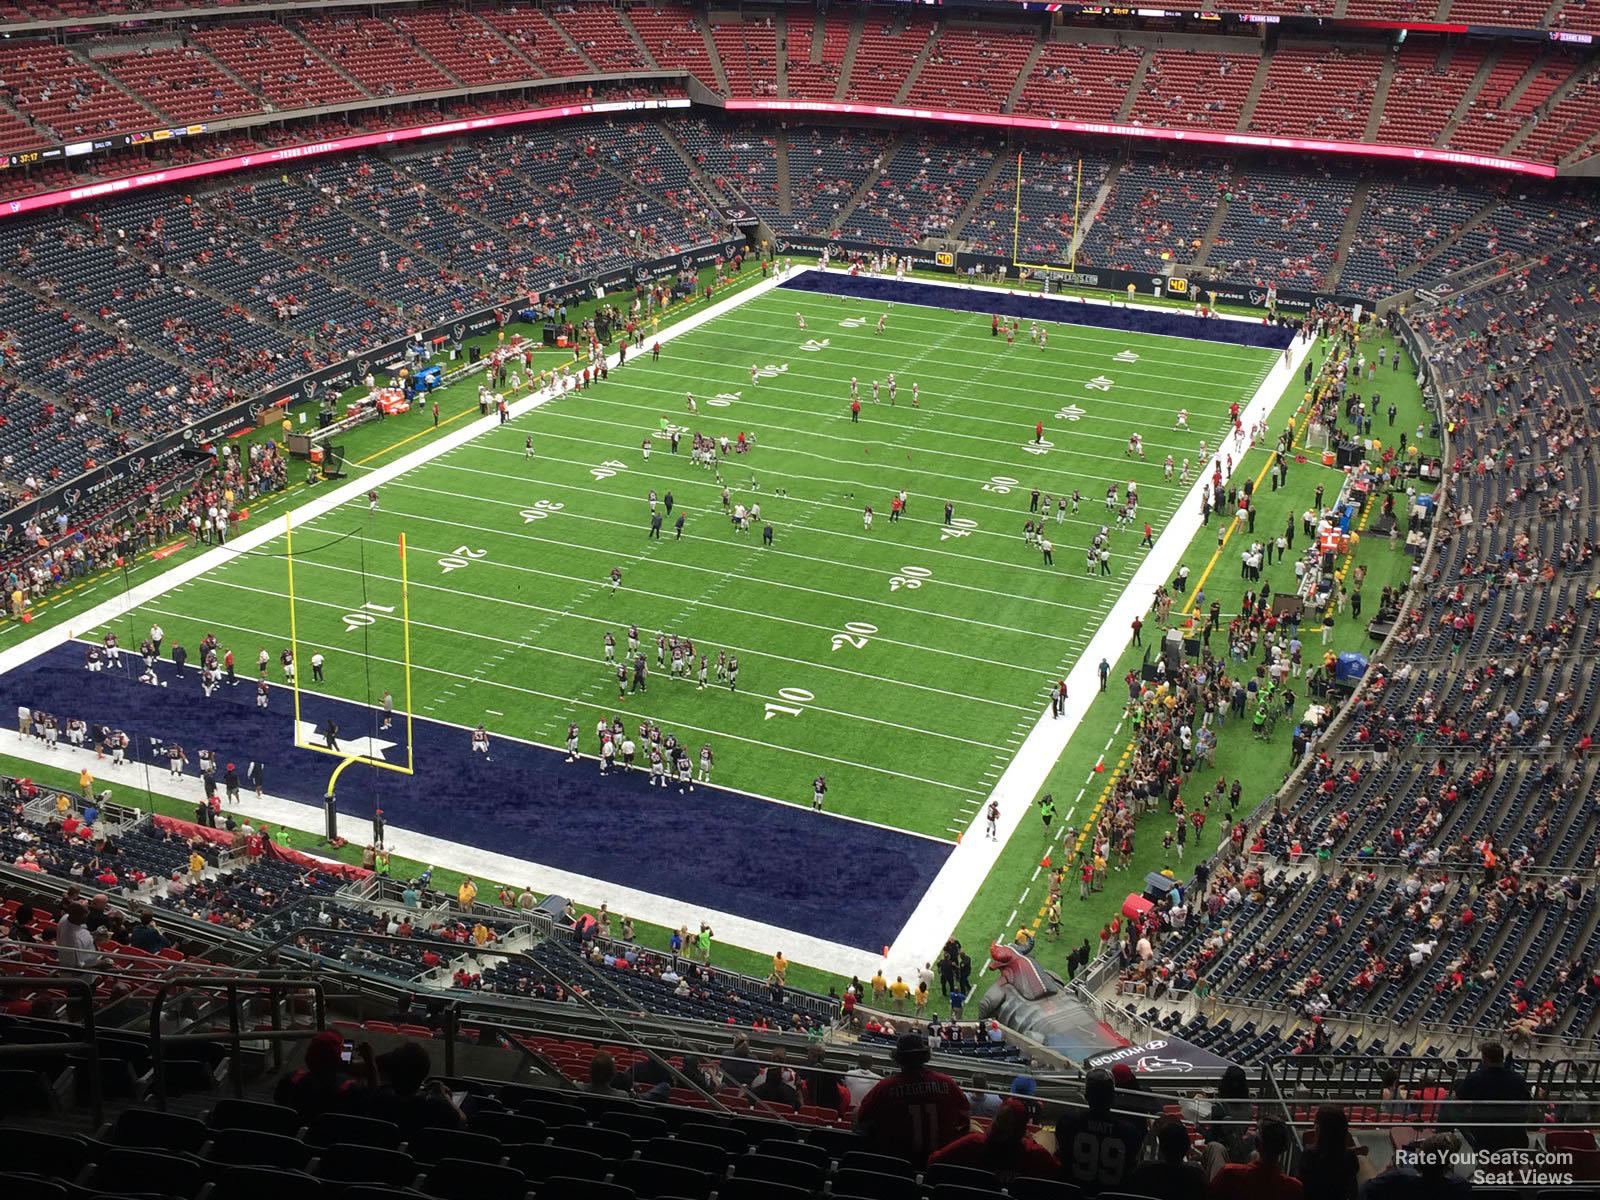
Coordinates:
[1043,308]
[713,848]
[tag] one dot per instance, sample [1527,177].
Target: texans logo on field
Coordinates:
[1258,297]
[255,413]
[459,332]
[362,367]
[780,246]
[834,249]
[72,496]
[729,250]
[309,387]
[6,531]
[687,262]
[136,466]
[643,275]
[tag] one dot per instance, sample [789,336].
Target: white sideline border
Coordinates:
[975,856]
[481,864]
[956,884]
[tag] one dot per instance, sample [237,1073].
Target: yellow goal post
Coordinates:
[366,616]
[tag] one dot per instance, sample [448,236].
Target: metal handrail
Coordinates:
[235,1036]
[91,1043]
[594,1010]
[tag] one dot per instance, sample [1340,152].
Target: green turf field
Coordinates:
[905,661]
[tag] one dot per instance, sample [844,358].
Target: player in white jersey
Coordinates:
[480,742]
[1183,419]
[1166,468]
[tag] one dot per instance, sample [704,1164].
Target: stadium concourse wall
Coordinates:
[1145,283]
[150,460]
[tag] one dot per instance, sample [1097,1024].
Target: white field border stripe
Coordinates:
[112,610]
[731,930]
[972,861]
[523,644]
[734,930]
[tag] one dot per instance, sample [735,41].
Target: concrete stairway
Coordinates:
[716,59]
[1490,61]
[917,64]
[1380,97]
[1257,85]
[1003,163]
[867,184]
[1347,235]
[848,63]
[1022,77]
[1134,84]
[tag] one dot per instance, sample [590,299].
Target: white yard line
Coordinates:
[326,502]
[970,864]
[520,643]
[568,702]
[739,931]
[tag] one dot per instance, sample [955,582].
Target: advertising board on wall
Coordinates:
[151,459]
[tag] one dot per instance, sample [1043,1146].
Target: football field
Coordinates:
[904,661]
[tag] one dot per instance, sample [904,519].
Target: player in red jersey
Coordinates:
[916,1112]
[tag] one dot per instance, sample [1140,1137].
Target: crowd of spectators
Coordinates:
[1432,866]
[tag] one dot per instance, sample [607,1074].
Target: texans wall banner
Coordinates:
[1166,1058]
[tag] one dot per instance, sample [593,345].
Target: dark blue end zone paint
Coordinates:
[1043,308]
[711,848]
